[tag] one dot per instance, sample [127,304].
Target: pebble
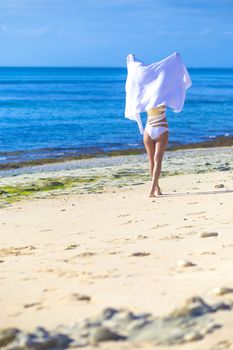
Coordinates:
[219,186]
[141,237]
[71,246]
[193,336]
[208,234]
[81,297]
[221,291]
[184,263]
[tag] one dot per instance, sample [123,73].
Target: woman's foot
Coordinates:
[156,192]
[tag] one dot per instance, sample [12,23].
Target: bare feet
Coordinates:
[156,192]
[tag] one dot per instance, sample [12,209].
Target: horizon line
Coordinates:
[118,67]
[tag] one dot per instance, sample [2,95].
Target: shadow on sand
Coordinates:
[193,193]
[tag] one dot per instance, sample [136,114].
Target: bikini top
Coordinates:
[154,115]
[157,112]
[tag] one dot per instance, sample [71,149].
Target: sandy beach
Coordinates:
[98,241]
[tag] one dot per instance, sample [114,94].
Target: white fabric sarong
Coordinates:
[160,83]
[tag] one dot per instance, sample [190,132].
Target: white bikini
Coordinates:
[155,118]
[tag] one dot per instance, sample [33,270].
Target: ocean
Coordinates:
[54,112]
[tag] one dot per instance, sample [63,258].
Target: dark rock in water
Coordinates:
[100,334]
[7,335]
[191,322]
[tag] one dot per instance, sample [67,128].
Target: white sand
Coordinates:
[82,243]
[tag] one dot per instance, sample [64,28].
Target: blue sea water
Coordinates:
[52,112]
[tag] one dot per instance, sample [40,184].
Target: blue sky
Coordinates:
[103,32]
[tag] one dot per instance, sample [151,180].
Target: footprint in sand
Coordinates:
[158,226]
[71,246]
[48,290]
[197,213]
[80,297]
[122,215]
[33,304]
[141,237]
[208,253]
[126,223]
[139,254]
[86,254]
[114,252]
[171,237]
[79,233]
[16,251]
[127,240]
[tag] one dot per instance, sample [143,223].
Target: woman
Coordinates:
[152,88]
[155,140]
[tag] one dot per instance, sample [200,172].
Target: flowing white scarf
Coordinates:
[160,83]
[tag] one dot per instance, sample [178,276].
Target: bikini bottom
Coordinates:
[155,131]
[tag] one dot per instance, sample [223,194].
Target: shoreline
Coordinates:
[97,175]
[220,141]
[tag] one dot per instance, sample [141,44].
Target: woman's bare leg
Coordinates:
[160,148]
[150,149]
